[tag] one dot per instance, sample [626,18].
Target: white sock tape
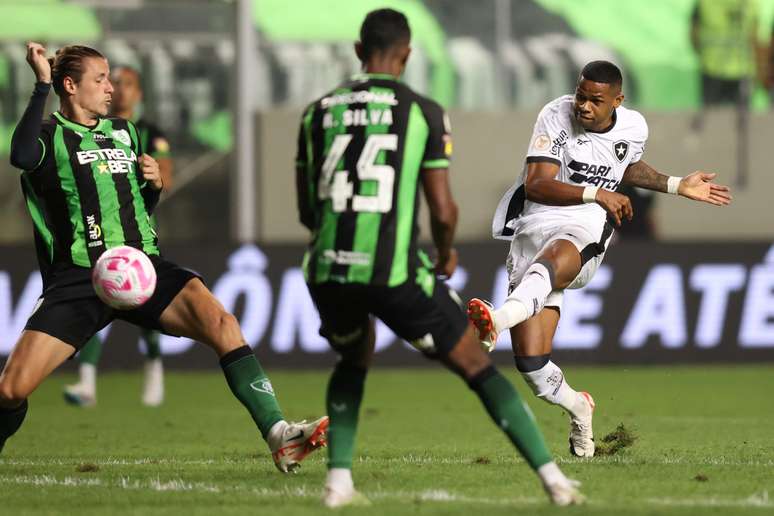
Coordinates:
[673,184]
[590,194]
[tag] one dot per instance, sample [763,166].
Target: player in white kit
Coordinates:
[559,218]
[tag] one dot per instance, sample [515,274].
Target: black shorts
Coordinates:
[70,310]
[433,323]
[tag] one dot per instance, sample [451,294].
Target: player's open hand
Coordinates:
[446,264]
[149,168]
[699,187]
[618,206]
[36,57]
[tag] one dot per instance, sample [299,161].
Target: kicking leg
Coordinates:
[532,344]
[197,314]
[35,356]
[553,269]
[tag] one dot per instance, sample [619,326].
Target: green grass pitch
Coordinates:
[705,445]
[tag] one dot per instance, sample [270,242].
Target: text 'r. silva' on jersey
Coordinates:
[361,149]
[585,158]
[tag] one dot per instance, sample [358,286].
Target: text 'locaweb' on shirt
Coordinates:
[361,149]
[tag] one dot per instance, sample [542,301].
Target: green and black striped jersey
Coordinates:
[361,149]
[86,193]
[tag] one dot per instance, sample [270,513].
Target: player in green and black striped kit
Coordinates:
[89,187]
[364,149]
[127,94]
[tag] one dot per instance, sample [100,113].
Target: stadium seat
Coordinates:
[476,73]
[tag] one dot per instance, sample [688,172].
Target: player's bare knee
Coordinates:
[225,330]
[12,392]
[562,260]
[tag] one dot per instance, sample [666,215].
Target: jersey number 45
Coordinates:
[334,184]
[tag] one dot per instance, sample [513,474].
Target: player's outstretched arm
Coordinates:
[697,186]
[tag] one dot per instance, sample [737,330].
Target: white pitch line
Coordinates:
[757,500]
[754,500]
[405,459]
[48,480]
[122,483]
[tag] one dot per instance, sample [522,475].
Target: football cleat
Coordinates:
[153,386]
[565,493]
[334,498]
[297,441]
[79,395]
[480,315]
[581,434]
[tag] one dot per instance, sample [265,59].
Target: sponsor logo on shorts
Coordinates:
[426,343]
[347,338]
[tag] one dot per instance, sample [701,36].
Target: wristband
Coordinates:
[673,184]
[590,194]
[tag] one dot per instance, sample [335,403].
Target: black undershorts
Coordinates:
[70,310]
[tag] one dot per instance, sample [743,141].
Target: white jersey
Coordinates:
[585,158]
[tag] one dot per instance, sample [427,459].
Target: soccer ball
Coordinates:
[124,277]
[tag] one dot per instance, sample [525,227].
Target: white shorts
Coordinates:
[533,236]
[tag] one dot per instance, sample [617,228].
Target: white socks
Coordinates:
[153,384]
[340,480]
[88,377]
[548,384]
[527,299]
[550,474]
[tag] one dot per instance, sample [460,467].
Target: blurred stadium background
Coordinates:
[227,81]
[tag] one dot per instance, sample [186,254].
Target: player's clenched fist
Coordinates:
[149,168]
[36,57]
[616,205]
[446,264]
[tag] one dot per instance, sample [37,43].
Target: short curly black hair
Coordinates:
[604,72]
[383,29]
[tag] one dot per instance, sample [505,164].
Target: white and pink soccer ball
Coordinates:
[124,277]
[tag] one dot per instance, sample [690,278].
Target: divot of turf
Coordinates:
[701,478]
[482,460]
[616,441]
[86,467]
